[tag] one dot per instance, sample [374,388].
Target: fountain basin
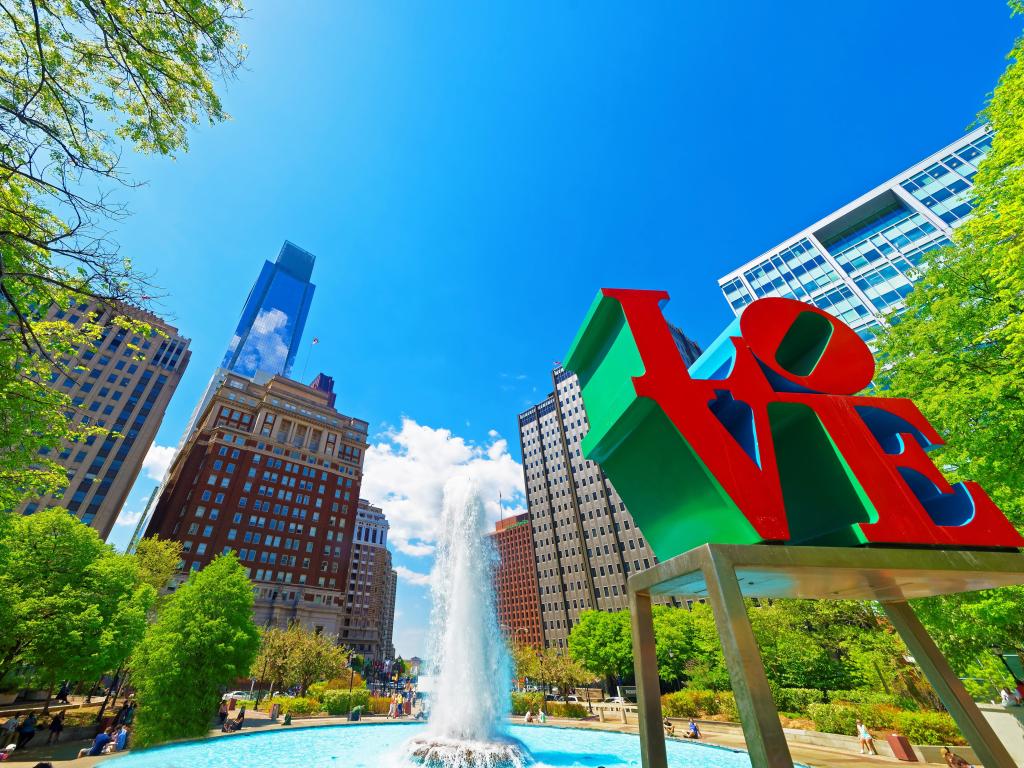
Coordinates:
[386,745]
[433,752]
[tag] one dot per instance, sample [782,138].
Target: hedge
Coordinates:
[690,703]
[341,702]
[867,696]
[928,728]
[567,709]
[523,701]
[379,705]
[299,705]
[840,717]
[796,700]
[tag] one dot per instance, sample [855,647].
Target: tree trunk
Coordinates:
[49,695]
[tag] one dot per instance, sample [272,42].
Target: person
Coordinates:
[56,726]
[129,712]
[236,724]
[101,740]
[391,709]
[528,717]
[867,741]
[222,712]
[27,730]
[670,728]
[1007,699]
[953,760]
[64,692]
[1020,689]
[542,716]
[692,731]
[9,728]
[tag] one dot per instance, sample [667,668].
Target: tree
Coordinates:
[271,662]
[158,560]
[674,641]
[958,352]
[73,607]
[602,642]
[203,639]
[79,79]
[313,656]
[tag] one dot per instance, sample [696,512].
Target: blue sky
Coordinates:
[469,175]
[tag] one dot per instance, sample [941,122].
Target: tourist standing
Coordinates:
[56,726]
[27,730]
[867,741]
[64,692]
[9,728]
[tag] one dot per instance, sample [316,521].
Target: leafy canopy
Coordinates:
[203,638]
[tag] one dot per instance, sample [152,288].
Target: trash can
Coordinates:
[231,704]
[901,747]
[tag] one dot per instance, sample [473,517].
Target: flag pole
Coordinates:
[309,352]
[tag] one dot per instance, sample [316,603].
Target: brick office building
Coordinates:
[273,472]
[516,581]
[370,601]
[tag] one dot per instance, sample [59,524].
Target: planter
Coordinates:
[8,697]
[39,694]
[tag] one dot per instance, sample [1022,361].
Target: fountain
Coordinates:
[471,667]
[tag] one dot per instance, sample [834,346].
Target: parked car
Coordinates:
[615,700]
[574,699]
[240,695]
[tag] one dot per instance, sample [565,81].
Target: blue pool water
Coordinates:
[380,746]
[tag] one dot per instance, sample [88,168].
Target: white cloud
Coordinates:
[158,461]
[128,518]
[265,348]
[413,577]
[406,470]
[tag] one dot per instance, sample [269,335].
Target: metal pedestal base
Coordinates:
[725,574]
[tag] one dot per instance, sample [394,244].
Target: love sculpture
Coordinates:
[761,472]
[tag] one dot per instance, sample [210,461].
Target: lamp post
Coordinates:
[351,677]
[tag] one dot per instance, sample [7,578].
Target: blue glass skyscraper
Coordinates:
[270,328]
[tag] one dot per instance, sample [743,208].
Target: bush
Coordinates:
[379,705]
[690,703]
[840,717]
[340,702]
[928,728]
[797,700]
[299,705]
[868,696]
[727,706]
[523,701]
[567,709]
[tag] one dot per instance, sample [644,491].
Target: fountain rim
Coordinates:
[268,732]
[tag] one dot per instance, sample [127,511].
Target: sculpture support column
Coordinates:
[961,706]
[762,730]
[648,688]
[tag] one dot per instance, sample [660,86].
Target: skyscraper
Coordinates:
[272,472]
[270,328]
[516,581]
[369,602]
[861,261]
[585,543]
[123,383]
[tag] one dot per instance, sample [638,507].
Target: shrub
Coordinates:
[868,696]
[690,703]
[523,701]
[797,699]
[840,717]
[567,709]
[727,706]
[299,705]
[340,702]
[928,728]
[379,705]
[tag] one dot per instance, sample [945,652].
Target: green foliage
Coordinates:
[203,639]
[936,728]
[727,706]
[158,560]
[523,701]
[603,643]
[567,709]
[71,606]
[690,703]
[339,702]
[870,696]
[796,700]
[675,643]
[842,718]
[298,656]
[297,705]
[379,705]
